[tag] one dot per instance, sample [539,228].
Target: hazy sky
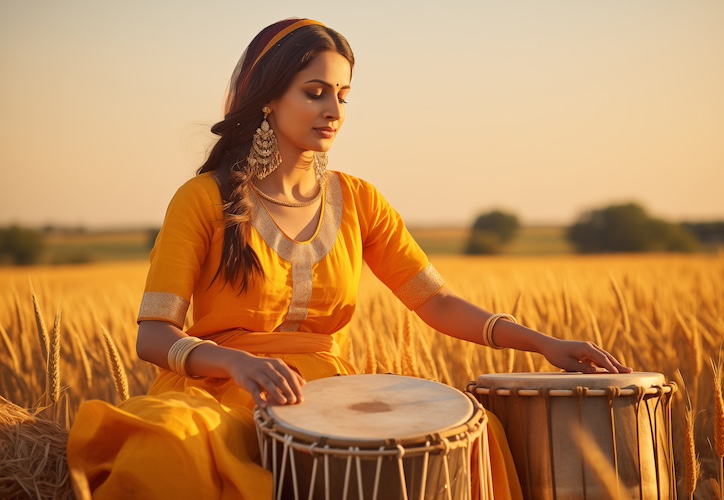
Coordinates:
[542,108]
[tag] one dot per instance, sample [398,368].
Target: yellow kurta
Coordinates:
[195,438]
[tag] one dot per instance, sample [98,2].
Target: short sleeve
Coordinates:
[392,253]
[180,251]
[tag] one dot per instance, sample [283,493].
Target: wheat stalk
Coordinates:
[691,459]
[115,366]
[567,312]
[621,305]
[40,324]
[53,368]
[692,336]
[716,369]
[409,363]
[14,363]
[87,370]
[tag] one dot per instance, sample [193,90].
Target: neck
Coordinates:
[294,179]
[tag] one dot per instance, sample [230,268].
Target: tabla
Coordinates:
[377,437]
[628,416]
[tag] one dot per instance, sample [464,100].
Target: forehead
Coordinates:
[328,66]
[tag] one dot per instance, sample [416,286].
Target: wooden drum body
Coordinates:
[377,437]
[545,416]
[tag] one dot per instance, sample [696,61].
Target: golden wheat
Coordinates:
[693,466]
[643,309]
[40,324]
[115,365]
[716,369]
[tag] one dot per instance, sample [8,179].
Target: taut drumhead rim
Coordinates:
[570,380]
[372,408]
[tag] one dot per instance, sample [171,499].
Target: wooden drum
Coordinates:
[547,415]
[377,437]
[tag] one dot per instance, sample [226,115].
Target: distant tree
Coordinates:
[20,246]
[707,232]
[627,228]
[491,232]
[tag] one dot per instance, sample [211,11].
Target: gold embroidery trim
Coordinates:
[420,288]
[163,306]
[303,256]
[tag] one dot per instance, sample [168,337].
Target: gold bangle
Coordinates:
[179,352]
[176,350]
[490,324]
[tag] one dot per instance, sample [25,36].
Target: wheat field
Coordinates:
[67,334]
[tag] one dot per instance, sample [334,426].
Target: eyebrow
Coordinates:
[327,84]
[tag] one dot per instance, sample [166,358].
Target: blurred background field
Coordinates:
[77,246]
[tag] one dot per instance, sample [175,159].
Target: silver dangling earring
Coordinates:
[264,155]
[320,165]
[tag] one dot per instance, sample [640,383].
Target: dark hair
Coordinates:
[253,86]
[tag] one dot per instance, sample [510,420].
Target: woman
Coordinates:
[270,246]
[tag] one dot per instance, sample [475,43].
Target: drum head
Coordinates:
[570,380]
[374,407]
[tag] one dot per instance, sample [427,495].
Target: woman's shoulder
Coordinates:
[357,186]
[201,182]
[200,186]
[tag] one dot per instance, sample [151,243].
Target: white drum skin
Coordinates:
[628,416]
[377,437]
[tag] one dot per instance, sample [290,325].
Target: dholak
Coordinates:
[545,415]
[377,437]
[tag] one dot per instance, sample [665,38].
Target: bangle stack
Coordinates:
[488,329]
[180,351]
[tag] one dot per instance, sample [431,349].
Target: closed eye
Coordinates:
[314,96]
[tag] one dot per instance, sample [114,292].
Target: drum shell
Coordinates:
[416,469]
[632,431]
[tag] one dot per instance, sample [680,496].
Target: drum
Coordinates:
[377,437]
[547,416]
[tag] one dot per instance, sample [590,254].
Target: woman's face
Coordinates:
[311,111]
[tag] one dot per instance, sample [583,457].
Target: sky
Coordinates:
[545,109]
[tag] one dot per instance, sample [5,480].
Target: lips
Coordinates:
[326,132]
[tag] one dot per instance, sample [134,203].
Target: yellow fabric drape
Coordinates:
[186,439]
[196,438]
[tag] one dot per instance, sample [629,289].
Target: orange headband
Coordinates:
[294,26]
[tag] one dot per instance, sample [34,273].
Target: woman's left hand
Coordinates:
[580,356]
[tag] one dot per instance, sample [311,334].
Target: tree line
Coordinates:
[626,227]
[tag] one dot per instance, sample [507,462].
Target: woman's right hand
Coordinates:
[270,381]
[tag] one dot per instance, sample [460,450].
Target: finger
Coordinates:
[588,367]
[257,396]
[621,368]
[610,363]
[288,382]
[294,382]
[273,383]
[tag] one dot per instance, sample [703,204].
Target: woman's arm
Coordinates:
[449,314]
[268,380]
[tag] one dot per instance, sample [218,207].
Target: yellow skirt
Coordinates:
[196,438]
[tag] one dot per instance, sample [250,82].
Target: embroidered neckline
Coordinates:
[302,255]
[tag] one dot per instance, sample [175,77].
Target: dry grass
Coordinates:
[658,313]
[32,455]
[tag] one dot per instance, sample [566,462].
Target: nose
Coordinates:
[334,110]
